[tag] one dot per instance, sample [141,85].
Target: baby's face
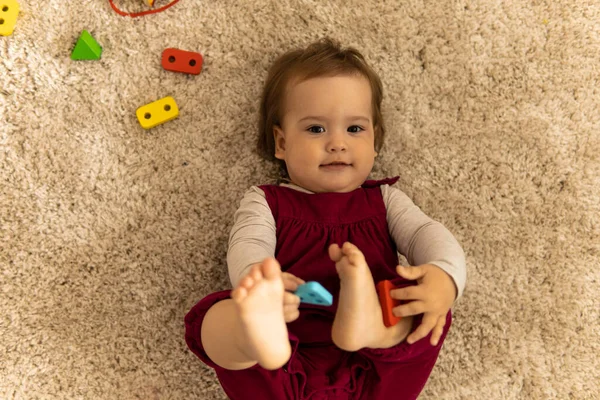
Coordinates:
[327,120]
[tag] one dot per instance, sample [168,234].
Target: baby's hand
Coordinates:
[432,296]
[290,300]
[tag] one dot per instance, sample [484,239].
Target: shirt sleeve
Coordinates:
[421,239]
[252,237]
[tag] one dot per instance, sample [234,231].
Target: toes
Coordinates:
[239,294]
[353,253]
[348,248]
[246,282]
[335,253]
[270,269]
[256,273]
[356,258]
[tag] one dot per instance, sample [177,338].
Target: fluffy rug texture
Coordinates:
[110,233]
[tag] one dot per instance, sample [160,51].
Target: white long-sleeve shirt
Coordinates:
[418,238]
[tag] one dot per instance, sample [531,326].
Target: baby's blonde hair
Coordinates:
[323,58]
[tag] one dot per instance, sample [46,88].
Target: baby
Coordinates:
[326,222]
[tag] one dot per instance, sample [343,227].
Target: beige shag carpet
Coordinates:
[110,233]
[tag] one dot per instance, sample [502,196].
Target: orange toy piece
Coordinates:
[151,3]
[177,60]
[387,303]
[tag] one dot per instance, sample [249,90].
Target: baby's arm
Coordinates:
[421,239]
[253,236]
[252,240]
[438,261]
[249,327]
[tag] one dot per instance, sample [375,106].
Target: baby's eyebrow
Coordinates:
[313,118]
[364,119]
[320,118]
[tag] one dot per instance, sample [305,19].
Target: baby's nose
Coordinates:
[337,142]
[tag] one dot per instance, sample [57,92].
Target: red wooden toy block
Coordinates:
[387,303]
[177,60]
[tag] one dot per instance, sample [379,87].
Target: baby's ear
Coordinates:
[279,137]
[377,129]
[377,134]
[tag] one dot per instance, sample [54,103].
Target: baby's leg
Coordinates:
[249,328]
[358,321]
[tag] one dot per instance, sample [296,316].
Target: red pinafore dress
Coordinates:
[306,225]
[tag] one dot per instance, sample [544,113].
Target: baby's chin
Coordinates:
[333,187]
[329,182]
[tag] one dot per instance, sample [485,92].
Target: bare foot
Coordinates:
[259,301]
[358,321]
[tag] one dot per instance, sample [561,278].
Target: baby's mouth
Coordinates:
[336,164]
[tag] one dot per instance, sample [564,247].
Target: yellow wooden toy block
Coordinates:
[157,112]
[9,9]
[150,2]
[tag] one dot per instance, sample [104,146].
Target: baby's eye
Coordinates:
[355,129]
[316,129]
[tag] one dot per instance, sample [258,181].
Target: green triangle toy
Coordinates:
[86,48]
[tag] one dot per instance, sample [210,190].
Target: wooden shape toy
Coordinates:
[176,60]
[387,303]
[9,10]
[86,48]
[151,3]
[314,293]
[158,112]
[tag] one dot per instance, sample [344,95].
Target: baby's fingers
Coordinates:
[408,309]
[290,299]
[438,330]
[429,321]
[407,293]
[291,282]
[290,313]
[290,307]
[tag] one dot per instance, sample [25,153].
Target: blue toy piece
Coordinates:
[314,293]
